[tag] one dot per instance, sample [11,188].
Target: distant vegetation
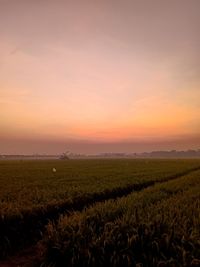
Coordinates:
[64,156]
[154,154]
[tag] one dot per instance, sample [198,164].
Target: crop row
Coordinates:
[159,226]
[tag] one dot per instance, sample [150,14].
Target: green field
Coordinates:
[160,225]
[136,211]
[25,185]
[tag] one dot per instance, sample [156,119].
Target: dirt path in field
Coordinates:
[28,257]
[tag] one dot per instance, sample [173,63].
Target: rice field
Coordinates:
[116,212]
[159,226]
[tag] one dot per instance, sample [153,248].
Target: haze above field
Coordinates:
[99,76]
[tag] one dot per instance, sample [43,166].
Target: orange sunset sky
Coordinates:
[99,76]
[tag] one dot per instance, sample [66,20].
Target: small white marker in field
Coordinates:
[54,170]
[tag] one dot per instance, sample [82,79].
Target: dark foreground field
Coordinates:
[100,213]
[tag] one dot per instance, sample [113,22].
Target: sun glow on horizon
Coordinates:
[96,72]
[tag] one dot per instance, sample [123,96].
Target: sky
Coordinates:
[94,76]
